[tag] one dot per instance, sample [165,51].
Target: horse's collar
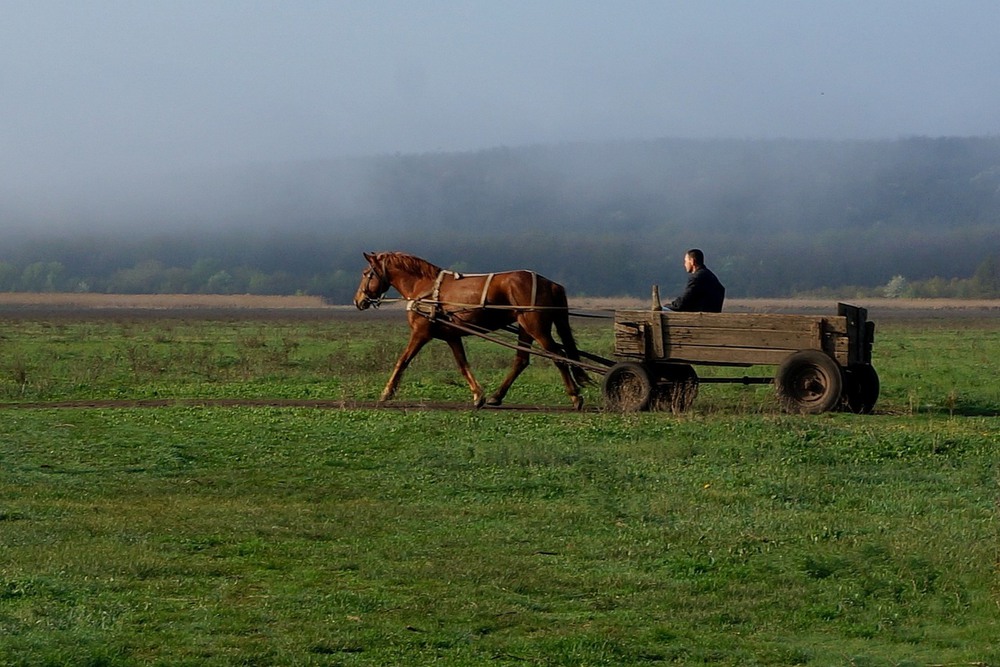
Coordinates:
[429,302]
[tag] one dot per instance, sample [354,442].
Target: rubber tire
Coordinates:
[809,382]
[627,387]
[676,387]
[861,390]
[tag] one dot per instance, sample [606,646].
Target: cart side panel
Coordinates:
[860,333]
[726,338]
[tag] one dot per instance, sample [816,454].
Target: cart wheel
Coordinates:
[808,382]
[676,387]
[627,387]
[861,389]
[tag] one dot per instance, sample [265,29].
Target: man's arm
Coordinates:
[686,300]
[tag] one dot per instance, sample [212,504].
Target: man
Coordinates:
[704,293]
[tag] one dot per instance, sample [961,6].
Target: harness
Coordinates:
[433,307]
[383,287]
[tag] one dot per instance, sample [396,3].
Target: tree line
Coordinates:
[918,216]
[211,276]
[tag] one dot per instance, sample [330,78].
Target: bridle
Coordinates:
[383,286]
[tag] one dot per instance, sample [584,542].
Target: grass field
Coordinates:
[732,534]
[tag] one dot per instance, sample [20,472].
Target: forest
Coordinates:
[913,216]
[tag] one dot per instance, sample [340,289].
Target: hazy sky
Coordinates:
[113,88]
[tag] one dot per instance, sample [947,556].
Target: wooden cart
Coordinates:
[822,362]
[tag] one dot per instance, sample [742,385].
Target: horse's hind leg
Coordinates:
[458,350]
[544,337]
[521,361]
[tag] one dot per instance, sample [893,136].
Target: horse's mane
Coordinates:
[411,264]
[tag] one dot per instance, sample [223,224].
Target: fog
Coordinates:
[166,112]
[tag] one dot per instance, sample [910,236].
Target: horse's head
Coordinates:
[374,284]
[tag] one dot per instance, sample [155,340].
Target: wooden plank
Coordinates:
[727,355]
[840,350]
[657,344]
[858,331]
[709,354]
[789,340]
[741,321]
[630,340]
[727,338]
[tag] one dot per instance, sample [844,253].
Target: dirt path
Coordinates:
[402,406]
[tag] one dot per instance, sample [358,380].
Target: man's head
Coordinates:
[694,259]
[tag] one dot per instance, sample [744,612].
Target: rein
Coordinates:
[486,334]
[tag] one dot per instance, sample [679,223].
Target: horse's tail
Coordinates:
[565,332]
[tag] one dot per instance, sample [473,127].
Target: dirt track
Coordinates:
[402,406]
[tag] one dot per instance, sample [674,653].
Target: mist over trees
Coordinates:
[918,216]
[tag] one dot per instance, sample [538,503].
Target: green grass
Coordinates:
[731,535]
[931,366]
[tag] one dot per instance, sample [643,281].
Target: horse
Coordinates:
[448,306]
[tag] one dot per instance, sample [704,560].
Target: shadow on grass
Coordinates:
[959,409]
[974,410]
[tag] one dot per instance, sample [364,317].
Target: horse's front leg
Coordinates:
[418,339]
[458,350]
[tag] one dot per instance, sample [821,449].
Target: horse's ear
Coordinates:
[370,257]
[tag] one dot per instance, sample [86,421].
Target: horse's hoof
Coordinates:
[478,403]
[493,401]
[578,402]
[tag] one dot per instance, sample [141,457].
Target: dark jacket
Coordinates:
[704,293]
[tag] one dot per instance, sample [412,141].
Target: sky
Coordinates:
[100,91]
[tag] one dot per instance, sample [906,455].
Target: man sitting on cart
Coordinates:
[704,293]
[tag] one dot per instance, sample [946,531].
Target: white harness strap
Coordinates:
[436,292]
[486,288]
[430,307]
[489,279]
[419,304]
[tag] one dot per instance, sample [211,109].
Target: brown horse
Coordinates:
[448,305]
